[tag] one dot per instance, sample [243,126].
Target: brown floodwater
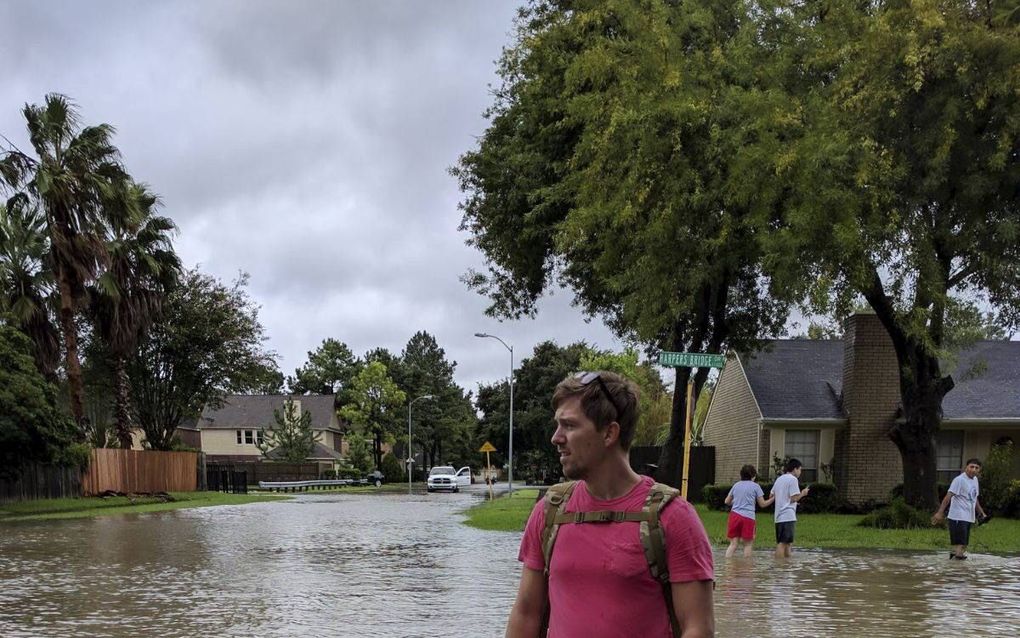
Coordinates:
[399,565]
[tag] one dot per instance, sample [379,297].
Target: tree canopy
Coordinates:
[613,165]
[375,407]
[32,427]
[207,343]
[902,176]
[290,438]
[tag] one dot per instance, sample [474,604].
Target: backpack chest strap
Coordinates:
[599,516]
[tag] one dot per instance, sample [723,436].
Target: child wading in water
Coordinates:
[742,498]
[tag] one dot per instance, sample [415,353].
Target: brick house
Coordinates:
[232,432]
[830,404]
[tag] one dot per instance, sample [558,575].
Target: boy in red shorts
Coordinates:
[743,497]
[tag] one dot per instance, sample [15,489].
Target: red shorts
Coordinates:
[740,527]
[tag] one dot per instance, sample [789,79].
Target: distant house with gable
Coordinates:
[831,403]
[231,433]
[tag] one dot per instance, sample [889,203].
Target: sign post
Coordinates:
[689,360]
[488,447]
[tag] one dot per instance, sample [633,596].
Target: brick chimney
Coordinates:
[868,464]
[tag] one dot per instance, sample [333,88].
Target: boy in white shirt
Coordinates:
[962,500]
[787,493]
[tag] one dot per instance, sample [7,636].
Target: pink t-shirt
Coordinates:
[599,581]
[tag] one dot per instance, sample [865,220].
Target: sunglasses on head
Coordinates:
[586,378]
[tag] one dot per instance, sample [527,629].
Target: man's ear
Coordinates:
[611,434]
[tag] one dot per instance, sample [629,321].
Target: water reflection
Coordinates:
[875,594]
[400,565]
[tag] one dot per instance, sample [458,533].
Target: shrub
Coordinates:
[328,475]
[897,515]
[1011,505]
[715,495]
[349,472]
[995,483]
[941,489]
[823,498]
[392,470]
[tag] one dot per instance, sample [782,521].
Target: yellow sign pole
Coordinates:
[488,447]
[687,438]
[488,474]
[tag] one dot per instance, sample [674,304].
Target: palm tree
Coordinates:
[127,296]
[26,281]
[76,177]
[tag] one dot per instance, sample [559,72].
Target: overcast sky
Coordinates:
[304,142]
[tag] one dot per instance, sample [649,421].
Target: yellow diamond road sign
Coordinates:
[488,447]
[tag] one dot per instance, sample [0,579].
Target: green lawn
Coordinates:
[1000,536]
[503,514]
[61,508]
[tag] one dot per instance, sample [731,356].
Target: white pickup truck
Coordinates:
[444,477]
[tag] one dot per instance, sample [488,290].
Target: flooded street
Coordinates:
[399,565]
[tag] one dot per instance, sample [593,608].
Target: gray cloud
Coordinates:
[306,143]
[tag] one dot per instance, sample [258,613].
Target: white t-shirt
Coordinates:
[964,500]
[745,498]
[785,487]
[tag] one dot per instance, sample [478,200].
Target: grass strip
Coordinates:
[64,508]
[826,531]
[505,514]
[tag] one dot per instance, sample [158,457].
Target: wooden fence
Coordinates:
[140,472]
[36,481]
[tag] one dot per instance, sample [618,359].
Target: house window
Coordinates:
[239,437]
[249,437]
[803,446]
[948,455]
[260,437]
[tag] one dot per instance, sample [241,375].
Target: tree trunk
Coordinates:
[71,362]
[922,388]
[377,450]
[671,456]
[122,399]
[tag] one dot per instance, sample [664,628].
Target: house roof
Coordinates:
[797,378]
[987,377]
[256,410]
[319,453]
[802,379]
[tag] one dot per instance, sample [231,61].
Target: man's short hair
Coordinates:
[605,397]
[748,473]
[791,465]
[976,462]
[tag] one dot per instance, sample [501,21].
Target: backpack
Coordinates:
[650,532]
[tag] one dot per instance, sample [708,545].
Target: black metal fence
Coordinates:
[36,481]
[262,471]
[232,482]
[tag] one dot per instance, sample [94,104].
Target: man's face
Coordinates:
[580,444]
[972,470]
[796,472]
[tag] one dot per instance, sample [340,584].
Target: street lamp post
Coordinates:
[510,454]
[410,457]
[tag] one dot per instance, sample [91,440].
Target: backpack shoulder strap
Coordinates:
[653,540]
[556,498]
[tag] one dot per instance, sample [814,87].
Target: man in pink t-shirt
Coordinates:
[599,580]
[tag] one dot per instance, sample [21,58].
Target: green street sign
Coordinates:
[691,360]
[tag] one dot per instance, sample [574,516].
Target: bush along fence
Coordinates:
[824,498]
